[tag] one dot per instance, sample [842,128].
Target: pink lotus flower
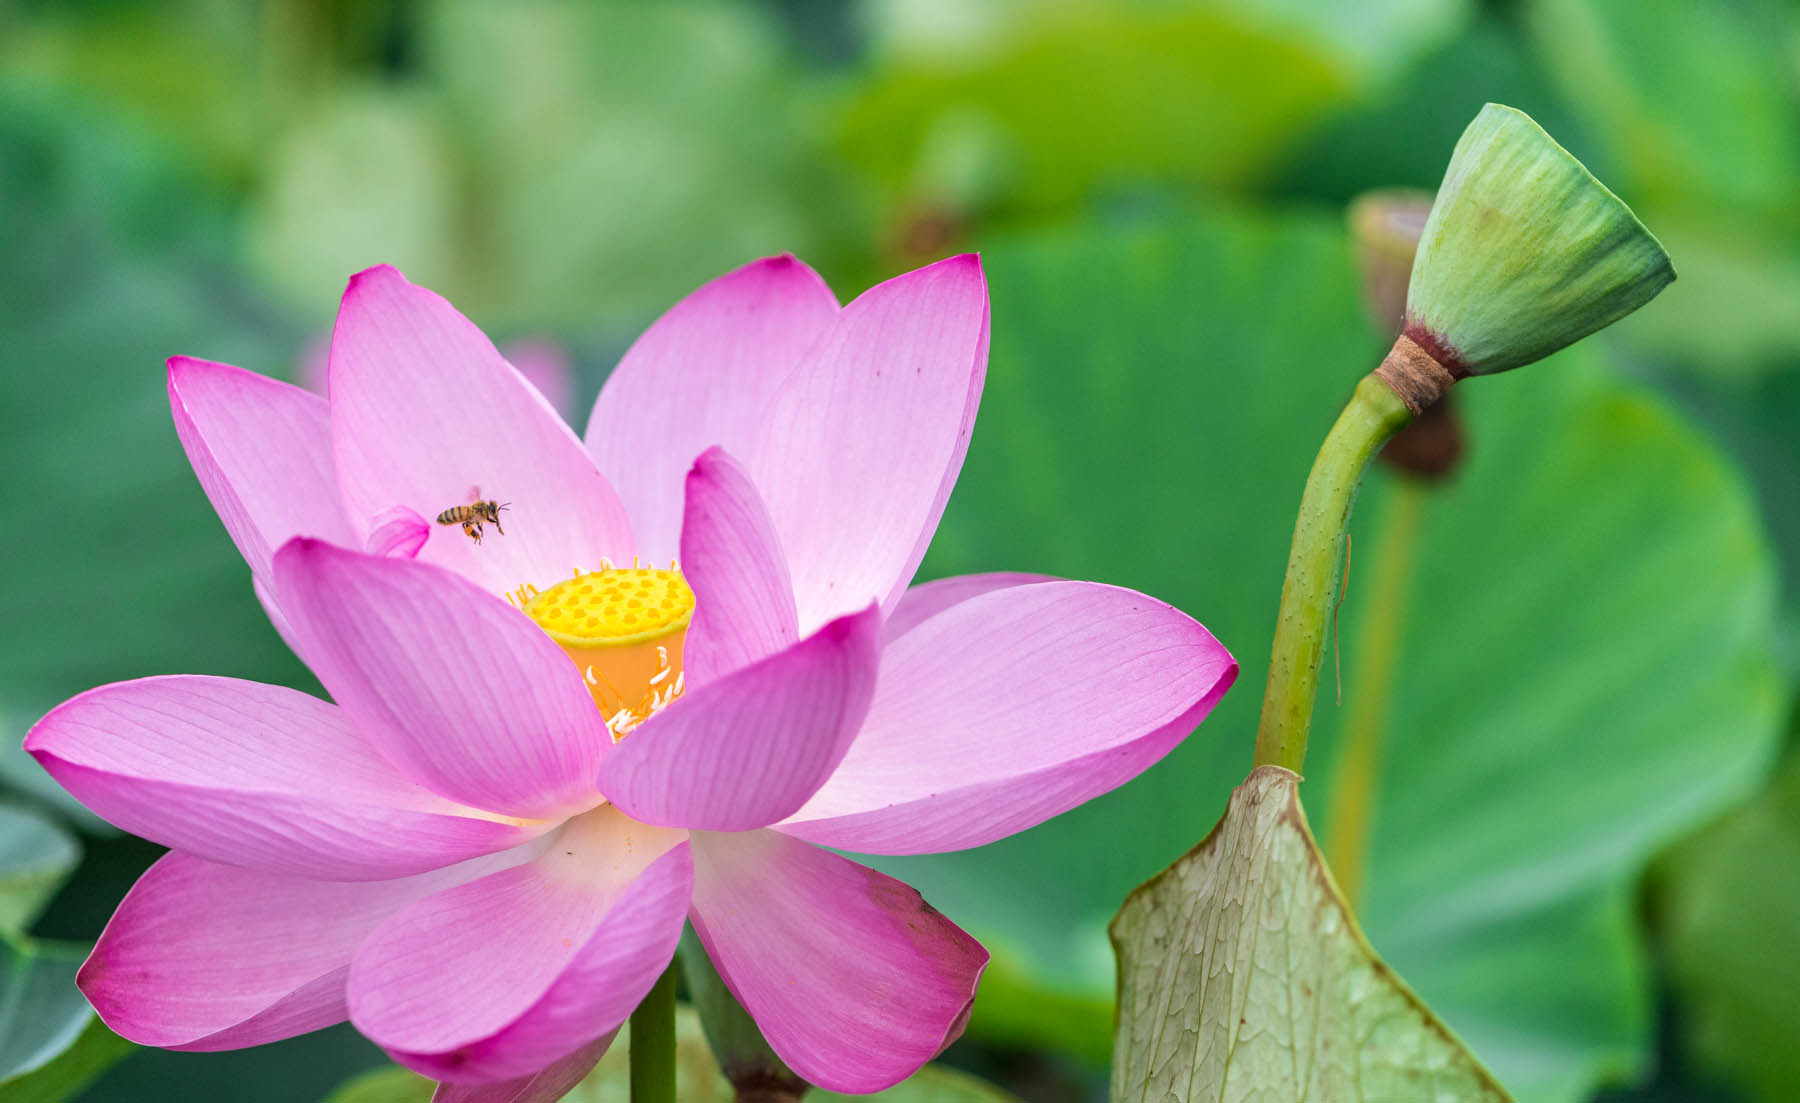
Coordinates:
[483,853]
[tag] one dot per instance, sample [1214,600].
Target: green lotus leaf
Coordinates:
[1243,975]
[1730,921]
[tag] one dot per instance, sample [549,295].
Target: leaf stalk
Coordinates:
[1374,413]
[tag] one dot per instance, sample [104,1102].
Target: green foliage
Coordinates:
[1729,912]
[127,572]
[1697,110]
[1582,676]
[35,857]
[1587,675]
[1690,101]
[1243,975]
[64,1064]
[1047,110]
[552,164]
[51,1043]
[369,173]
[42,1013]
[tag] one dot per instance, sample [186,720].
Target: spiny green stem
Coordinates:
[1377,651]
[1373,414]
[653,1043]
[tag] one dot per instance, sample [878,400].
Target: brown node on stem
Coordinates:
[1414,374]
[1384,233]
[1431,445]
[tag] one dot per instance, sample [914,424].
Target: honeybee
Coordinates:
[472,515]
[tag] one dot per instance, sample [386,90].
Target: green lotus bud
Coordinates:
[1524,252]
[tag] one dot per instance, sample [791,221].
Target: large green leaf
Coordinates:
[1585,674]
[1758,417]
[1730,911]
[697,1079]
[35,856]
[1689,100]
[1698,110]
[41,1010]
[121,569]
[1243,975]
[50,1041]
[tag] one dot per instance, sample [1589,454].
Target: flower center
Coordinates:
[624,628]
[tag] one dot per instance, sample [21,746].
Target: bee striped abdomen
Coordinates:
[472,515]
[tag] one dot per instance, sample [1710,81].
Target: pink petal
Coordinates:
[748,749]
[499,977]
[204,956]
[855,980]
[1011,707]
[397,532]
[547,1085]
[253,775]
[928,599]
[704,374]
[426,414]
[744,608]
[867,436]
[460,691]
[262,451]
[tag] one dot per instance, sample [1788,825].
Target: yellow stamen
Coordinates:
[623,627]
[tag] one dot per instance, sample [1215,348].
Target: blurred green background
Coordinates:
[1585,846]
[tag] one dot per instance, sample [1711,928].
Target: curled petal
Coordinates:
[1011,707]
[854,979]
[254,775]
[397,532]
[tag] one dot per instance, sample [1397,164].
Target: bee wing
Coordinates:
[475,494]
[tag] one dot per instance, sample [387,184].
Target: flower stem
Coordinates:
[1372,684]
[653,1043]
[1373,414]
